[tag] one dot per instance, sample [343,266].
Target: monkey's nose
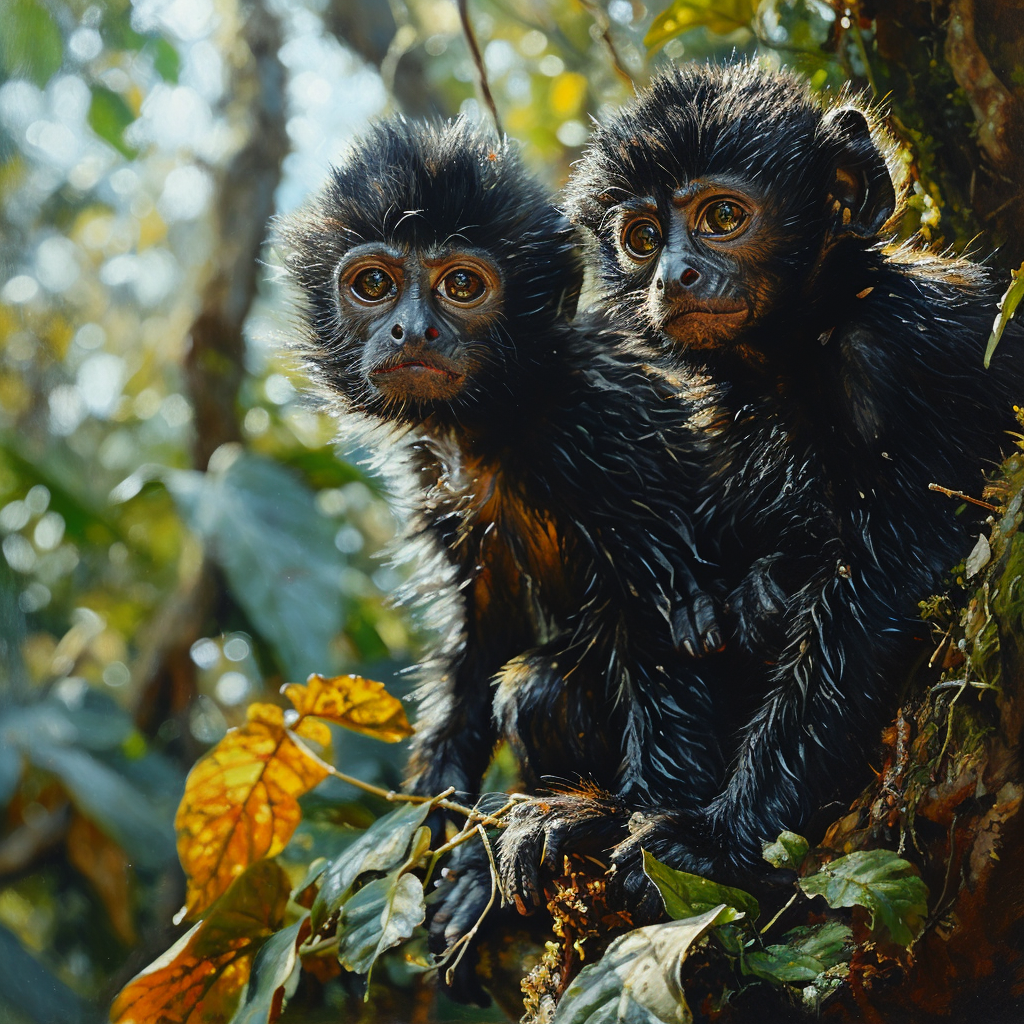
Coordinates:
[689,277]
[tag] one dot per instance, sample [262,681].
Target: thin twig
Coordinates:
[466,939]
[603,23]
[391,795]
[782,910]
[478,60]
[964,497]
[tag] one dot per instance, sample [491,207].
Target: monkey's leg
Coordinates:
[667,752]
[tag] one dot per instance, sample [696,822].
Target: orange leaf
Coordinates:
[107,868]
[354,702]
[241,801]
[199,979]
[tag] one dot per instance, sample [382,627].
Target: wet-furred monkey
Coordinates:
[538,463]
[742,227]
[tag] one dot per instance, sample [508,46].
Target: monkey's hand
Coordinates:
[455,911]
[695,626]
[541,831]
[758,607]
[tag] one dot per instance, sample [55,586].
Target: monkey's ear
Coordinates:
[862,187]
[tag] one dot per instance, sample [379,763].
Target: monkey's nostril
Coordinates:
[688,277]
[659,284]
[431,333]
[397,332]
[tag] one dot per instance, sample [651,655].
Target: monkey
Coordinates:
[745,228]
[537,460]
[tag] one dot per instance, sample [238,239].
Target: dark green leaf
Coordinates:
[382,913]
[275,973]
[262,525]
[27,987]
[881,882]
[109,115]
[30,41]
[1007,307]
[639,979]
[103,796]
[380,849]
[687,895]
[10,772]
[788,851]
[808,952]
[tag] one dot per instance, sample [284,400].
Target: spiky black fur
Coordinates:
[856,382]
[542,500]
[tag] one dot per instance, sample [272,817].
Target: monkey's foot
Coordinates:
[541,831]
[695,627]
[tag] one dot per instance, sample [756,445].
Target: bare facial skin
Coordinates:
[692,253]
[423,316]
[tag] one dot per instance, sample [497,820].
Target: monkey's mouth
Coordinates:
[418,377]
[705,325]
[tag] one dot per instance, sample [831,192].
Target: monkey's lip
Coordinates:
[693,322]
[415,366]
[419,378]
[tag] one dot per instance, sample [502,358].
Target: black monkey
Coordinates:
[539,462]
[742,227]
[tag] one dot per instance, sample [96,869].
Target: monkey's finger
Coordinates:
[684,634]
[520,847]
[706,624]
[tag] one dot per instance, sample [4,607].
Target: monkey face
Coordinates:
[424,317]
[687,261]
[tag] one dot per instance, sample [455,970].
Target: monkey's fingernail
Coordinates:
[520,905]
[689,648]
[715,641]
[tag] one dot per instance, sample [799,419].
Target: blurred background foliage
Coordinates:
[179,536]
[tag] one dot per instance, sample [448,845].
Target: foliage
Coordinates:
[154,596]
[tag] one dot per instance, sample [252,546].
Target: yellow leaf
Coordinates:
[720,16]
[241,801]
[568,91]
[354,702]
[199,979]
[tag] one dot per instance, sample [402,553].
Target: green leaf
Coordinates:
[275,973]
[1007,307]
[809,951]
[166,60]
[30,41]
[106,798]
[109,115]
[27,988]
[383,913]
[879,881]
[721,16]
[687,895]
[381,848]
[639,979]
[262,525]
[788,851]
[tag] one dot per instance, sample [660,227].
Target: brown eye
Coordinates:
[373,284]
[462,285]
[722,218]
[642,238]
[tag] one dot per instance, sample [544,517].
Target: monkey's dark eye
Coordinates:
[642,238]
[373,284]
[462,285]
[722,218]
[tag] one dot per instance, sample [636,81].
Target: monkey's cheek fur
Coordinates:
[418,381]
